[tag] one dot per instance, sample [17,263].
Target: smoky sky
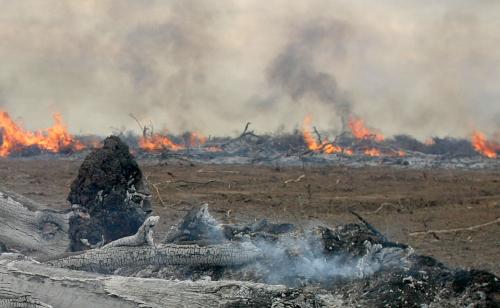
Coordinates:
[425,68]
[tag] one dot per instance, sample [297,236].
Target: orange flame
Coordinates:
[53,139]
[360,131]
[308,137]
[372,152]
[157,142]
[348,151]
[196,139]
[483,146]
[429,141]
[313,145]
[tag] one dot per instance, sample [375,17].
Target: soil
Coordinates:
[396,201]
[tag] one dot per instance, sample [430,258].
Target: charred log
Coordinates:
[106,260]
[38,232]
[66,288]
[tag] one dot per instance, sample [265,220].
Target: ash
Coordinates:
[353,262]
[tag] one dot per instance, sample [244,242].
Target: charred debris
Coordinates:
[356,147]
[109,197]
[103,252]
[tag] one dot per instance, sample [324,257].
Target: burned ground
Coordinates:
[396,201]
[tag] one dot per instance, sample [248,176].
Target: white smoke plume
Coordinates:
[301,260]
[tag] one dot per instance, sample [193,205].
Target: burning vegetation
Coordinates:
[358,140]
[484,146]
[360,131]
[53,139]
[155,142]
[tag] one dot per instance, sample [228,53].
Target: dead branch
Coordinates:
[471,228]
[186,182]
[218,171]
[142,127]
[295,180]
[318,135]
[178,187]
[155,186]
[339,136]
[246,128]
[381,207]
[368,225]
[245,133]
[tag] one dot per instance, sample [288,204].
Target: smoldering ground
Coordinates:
[292,255]
[420,68]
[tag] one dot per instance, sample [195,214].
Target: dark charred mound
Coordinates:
[199,227]
[108,197]
[353,263]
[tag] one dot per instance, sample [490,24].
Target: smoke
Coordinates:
[295,73]
[291,256]
[300,260]
[419,68]
[309,263]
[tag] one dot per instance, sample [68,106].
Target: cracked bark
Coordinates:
[10,298]
[24,229]
[106,260]
[68,288]
[34,231]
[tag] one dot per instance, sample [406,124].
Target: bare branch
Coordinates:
[318,135]
[471,228]
[295,180]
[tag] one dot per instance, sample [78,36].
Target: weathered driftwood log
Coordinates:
[34,231]
[106,260]
[67,288]
[17,298]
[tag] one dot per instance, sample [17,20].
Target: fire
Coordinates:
[360,131]
[53,139]
[308,137]
[372,152]
[159,142]
[312,144]
[483,146]
[196,139]
[348,151]
[330,148]
[429,141]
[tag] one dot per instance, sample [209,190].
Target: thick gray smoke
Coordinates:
[421,68]
[295,73]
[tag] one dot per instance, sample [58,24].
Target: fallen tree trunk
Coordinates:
[15,299]
[106,260]
[67,288]
[34,231]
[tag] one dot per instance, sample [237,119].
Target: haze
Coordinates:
[424,68]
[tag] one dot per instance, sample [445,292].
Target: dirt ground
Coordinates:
[396,201]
